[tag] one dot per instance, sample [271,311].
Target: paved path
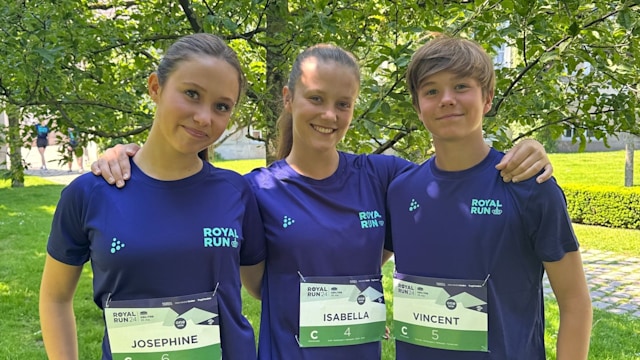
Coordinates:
[56,171]
[56,175]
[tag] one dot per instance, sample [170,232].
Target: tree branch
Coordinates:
[507,92]
[95,132]
[226,137]
[191,17]
[103,6]
[563,120]
[137,41]
[391,142]
[58,103]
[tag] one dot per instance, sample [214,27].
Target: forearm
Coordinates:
[575,330]
[59,330]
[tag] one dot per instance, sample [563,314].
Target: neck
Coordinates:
[161,163]
[458,156]
[314,165]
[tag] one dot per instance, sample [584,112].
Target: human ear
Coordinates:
[153,85]
[487,102]
[286,98]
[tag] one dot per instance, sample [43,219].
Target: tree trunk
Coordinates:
[276,79]
[628,165]
[14,140]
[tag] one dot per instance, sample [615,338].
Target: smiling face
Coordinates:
[452,107]
[194,105]
[322,105]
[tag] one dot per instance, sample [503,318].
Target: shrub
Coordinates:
[610,206]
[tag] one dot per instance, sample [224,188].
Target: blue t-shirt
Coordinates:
[329,227]
[42,131]
[73,141]
[156,239]
[471,225]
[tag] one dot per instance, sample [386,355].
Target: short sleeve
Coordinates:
[254,248]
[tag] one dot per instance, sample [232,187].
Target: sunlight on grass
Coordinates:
[49,209]
[240,166]
[86,271]
[28,181]
[593,168]
[622,241]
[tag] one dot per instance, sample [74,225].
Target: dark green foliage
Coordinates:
[84,63]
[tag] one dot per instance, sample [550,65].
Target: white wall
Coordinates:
[238,146]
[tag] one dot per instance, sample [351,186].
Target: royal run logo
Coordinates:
[370,219]
[486,207]
[220,237]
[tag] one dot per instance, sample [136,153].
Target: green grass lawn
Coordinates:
[594,168]
[25,217]
[241,166]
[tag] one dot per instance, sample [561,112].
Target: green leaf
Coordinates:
[574,29]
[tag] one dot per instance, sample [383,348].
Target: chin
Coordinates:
[322,148]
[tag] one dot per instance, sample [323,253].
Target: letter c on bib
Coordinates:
[403,330]
[314,334]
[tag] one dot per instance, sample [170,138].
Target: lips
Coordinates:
[448,116]
[195,133]
[323,130]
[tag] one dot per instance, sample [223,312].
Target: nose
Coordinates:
[330,114]
[203,116]
[448,98]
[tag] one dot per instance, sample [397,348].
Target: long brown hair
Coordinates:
[324,53]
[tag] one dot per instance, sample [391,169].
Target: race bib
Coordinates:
[340,311]
[176,328]
[440,313]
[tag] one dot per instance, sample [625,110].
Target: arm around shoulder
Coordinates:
[525,160]
[574,302]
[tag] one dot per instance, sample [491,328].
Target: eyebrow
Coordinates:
[313,91]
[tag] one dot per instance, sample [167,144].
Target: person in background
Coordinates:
[324,217]
[167,251]
[42,141]
[74,148]
[470,249]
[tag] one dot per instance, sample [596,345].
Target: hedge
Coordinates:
[610,206]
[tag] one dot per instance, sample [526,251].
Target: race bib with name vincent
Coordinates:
[440,313]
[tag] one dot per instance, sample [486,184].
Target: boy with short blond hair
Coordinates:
[470,249]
